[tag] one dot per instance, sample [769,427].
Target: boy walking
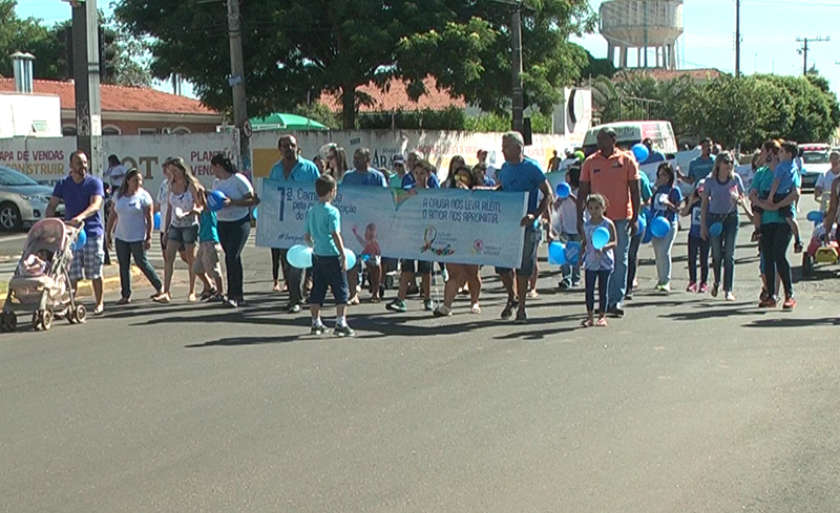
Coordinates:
[329,267]
[206,265]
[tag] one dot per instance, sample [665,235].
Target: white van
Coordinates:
[629,133]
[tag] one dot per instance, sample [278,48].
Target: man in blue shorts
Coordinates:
[83,195]
[522,174]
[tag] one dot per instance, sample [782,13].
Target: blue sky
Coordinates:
[769,29]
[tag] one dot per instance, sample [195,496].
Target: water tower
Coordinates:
[642,24]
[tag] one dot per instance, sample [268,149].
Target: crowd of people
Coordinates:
[607,194]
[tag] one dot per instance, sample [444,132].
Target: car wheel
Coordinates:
[10,218]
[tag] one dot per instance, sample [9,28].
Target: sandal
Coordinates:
[207,294]
[163,299]
[587,323]
[601,322]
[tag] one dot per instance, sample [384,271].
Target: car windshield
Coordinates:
[815,157]
[10,177]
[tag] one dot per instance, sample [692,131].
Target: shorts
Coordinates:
[87,262]
[184,235]
[326,271]
[416,266]
[208,258]
[529,255]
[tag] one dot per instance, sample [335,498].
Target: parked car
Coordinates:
[815,162]
[23,201]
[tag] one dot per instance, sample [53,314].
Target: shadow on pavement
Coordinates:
[793,323]
[743,308]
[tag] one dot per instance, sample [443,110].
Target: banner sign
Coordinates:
[440,225]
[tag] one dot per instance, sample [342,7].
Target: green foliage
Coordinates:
[746,110]
[296,48]
[449,119]
[495,122]
[320,113]
[53,54]
[597,67]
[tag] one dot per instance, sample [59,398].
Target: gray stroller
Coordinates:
[41,284]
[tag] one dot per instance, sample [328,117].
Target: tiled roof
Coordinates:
[670,74]
[395,97]
[118,98]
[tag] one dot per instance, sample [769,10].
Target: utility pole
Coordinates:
[518,99]
[645,4]
[804,49]
[737,38]
[237,82]
[86,76]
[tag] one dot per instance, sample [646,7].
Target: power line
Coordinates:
[804,49]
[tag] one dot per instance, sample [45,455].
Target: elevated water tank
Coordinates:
[644,25]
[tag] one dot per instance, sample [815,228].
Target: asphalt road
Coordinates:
[688,404]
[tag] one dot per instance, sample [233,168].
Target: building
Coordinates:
[644,25]
[130,110]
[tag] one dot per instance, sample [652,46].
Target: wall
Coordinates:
[132,127]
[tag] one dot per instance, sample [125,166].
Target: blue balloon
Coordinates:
[660,227]
[157,221]
[299,256]
[716,229]
[641,152]
[641,225]
[350,257]
[81,240]
[563,190]
[600,237]
[254,213]
[556,253]
[572,252]
[216,200]
[815,216]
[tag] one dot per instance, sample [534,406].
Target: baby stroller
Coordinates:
[41,283]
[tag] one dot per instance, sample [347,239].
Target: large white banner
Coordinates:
[441,225]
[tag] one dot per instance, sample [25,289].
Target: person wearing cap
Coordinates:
[615,175]
[396,178]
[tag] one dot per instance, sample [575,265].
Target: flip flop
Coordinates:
[586,323]
[162,299]
[601,323]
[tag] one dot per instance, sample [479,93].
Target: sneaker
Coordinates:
[293,308]
[703,288]
[231,302]
[616,311]
[428,305]
[729,296]
[563,285]
[475,309]
[628,296]
[397,305]
[317,329]
[508,310]
[664,288]
[715,288]
[768,302]
[343,331]
[442,311]
[521,317]
[789,303]
[692,287]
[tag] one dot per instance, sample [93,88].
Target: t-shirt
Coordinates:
[322,220]
[594,260]
[720,194]
[207,228]
[236,187]
[523,177]
[762,183]
[304,171]
[785,173]
[696,219]
[826,179]
[564,216]
[699,168]
[371,177]
[395,181]
[646,191]
[611,176]
[131,216]
[673,195]
[115,176]
[408,181]
[77,197]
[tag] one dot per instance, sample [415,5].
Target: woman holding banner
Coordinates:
[234,221]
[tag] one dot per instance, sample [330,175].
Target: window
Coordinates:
[111,130]
[147,131]
[68,130]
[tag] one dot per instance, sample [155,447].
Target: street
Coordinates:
[687,404]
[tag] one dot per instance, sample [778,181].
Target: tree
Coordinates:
[52,47]
[295,49]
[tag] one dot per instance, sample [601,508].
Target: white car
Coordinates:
[23,201]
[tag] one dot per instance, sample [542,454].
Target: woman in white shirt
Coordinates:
[181,223]
[234,221]
[130,222]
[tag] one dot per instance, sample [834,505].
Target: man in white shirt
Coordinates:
[822,189]
[112,178]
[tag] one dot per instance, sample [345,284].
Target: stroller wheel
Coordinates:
[80,314]
[46,319]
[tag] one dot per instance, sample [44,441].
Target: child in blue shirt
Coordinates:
[329,267]
[784,177]
[697,245]
[206,265]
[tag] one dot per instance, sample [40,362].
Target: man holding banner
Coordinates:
[522,174]
[291,168]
